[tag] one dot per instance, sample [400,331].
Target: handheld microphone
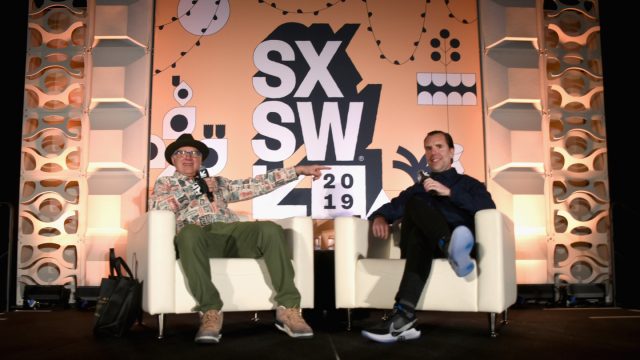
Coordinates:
[422,176]
[203,173]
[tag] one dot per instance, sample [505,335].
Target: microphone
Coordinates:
[422,176]
[203,173]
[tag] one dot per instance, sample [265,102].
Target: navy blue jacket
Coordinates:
[468,196]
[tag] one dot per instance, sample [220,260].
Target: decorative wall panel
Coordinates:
[544,117]
[117,136]
[580,250]
[50,248]
[85,138]
[513,121]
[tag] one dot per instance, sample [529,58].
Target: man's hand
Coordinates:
[212,184]
[380,228]
[311,170]
[432,185]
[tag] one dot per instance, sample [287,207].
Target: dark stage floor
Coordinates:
[533,332]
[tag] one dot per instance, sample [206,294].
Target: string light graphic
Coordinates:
[378,41]
[275,6]
[210,27]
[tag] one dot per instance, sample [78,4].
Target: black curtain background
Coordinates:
[620,68]
[12,80]
[618,27]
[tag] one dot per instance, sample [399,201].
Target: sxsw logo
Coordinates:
[310,88]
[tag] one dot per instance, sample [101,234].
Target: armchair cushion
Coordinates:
[244,284]
[368,274]
[378,280]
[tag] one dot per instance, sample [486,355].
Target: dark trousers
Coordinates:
[422,228]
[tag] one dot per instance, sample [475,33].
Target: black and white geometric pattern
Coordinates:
[446,89]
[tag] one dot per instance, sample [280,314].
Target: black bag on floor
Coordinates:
[119,301]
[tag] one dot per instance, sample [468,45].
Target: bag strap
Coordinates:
[116,263]
[113,263]
[126,267]
[134,258]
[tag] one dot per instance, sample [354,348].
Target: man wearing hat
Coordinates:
[207,228]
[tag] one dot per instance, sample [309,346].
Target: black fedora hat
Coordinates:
[185,140]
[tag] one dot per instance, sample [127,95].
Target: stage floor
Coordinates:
[533,332]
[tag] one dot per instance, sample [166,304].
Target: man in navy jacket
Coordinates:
[437,221]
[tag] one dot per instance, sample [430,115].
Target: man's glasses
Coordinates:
[183,153]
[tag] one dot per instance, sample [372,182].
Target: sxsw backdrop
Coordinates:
[350,84]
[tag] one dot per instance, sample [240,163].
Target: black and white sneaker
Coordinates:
[397,327]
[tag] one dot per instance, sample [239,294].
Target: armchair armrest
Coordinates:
[152,256]
[298,232]
[496,261]
[352,235]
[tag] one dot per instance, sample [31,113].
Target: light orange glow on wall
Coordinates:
[219,73]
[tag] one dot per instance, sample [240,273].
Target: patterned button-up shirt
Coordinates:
[180,194]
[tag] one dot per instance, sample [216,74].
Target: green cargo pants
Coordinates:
[258,239]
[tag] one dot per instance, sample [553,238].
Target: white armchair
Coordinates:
[244,284]
[368,270]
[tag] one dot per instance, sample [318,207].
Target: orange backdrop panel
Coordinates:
[210,91]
